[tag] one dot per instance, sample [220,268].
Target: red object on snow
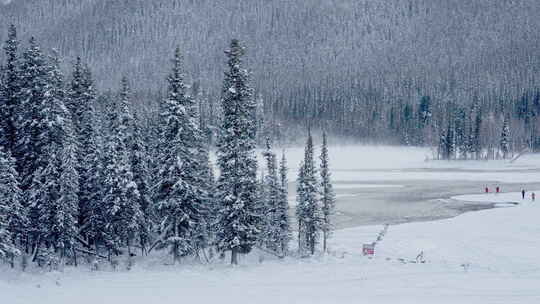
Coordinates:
[368,249]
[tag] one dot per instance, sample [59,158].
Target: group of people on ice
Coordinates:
[533,196]
[523,192]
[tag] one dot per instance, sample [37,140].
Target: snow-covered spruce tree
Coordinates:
[505,137]
[80,102]
[282,212]
[179,192]
[308,209]
[271,233]
[65,220]
[132,216]
[13,217]
[300,210]
[9,89]
[238,222]
[121,197]
[262,208]
[54,187]
[328,200]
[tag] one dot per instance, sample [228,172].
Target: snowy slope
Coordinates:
[490,256]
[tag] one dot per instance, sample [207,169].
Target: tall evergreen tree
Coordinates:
[328,199]
[179,193]
[80,101]
[308,209]
[271,232]
[237,184]
[282,212]
[54,187]
[121,196]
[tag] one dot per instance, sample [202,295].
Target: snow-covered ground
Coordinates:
[488,256]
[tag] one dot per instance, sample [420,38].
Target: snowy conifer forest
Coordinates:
[264,149]
[101,184]
[407,72]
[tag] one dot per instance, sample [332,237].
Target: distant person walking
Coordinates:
[497,189]
[522,193]
[533,196]
[486,189]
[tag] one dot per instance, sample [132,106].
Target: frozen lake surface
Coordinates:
[391,185]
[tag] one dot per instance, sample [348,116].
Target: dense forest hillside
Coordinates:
[357,68]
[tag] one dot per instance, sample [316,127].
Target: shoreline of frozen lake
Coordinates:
[404,201]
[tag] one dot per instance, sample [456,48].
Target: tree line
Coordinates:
[84,177]
[362,70]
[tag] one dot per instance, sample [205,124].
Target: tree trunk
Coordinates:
[300,237]
[176,257]
[143,245]
[312,242]
[324,241]
[35,250]
[234,256]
